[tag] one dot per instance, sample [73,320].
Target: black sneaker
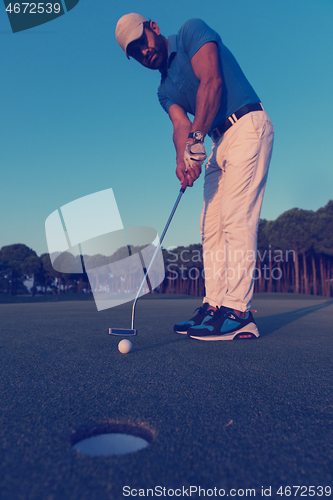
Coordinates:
[202,313]
[225,325]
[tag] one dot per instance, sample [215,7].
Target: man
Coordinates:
[200,77]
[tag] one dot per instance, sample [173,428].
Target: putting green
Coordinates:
[225,415]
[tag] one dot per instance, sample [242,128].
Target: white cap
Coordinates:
[128,29]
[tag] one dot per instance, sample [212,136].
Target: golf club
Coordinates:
[132,330]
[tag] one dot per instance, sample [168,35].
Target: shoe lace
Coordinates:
[216,314]
[200,310]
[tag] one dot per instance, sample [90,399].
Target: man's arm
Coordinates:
[181,129]
[205,64]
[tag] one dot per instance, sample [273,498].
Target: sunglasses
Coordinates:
[135,48]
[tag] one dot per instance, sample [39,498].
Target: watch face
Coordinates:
[197,135]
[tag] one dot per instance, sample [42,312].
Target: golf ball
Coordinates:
[125,346]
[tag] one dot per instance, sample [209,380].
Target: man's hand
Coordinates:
[192,173]
[194,156]
[194,153]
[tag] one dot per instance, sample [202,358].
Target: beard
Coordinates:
[157,57]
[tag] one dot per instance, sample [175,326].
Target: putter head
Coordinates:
[123,331]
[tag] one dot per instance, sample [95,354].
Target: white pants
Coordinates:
[235,179]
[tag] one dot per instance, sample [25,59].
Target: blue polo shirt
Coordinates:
[179,84]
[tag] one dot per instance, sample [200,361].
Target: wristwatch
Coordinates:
[197,136]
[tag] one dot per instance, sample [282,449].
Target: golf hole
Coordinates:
[112,439]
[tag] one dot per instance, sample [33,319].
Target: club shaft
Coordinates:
[182,190]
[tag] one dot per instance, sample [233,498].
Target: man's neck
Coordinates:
[167,44]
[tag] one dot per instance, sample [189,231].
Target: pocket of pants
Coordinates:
[261,123]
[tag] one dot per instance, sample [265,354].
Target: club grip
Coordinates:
[184,185]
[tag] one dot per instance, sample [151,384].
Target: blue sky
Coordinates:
[78,117]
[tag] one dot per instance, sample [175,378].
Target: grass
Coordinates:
[221,414]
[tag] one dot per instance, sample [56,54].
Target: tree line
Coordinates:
[294,255]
